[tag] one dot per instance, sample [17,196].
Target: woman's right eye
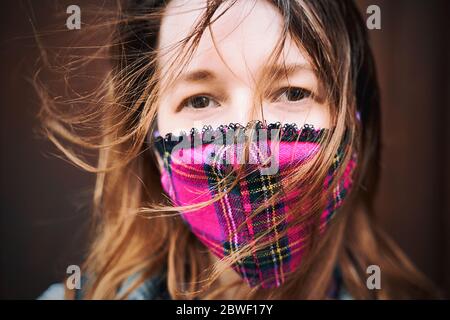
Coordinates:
[199,102]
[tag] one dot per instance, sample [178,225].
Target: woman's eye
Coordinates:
[292,94]
[199,102]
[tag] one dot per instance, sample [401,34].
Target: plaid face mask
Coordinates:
[199,165]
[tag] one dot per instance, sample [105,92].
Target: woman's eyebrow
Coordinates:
[201,75]
[278,71]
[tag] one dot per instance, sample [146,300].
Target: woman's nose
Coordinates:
[244,107]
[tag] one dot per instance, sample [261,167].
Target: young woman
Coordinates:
[284,91]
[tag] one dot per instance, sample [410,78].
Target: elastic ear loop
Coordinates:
[153,129]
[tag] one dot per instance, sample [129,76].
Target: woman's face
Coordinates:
[218,84]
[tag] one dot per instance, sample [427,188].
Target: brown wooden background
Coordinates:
[44,210]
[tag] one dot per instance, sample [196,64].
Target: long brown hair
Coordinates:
[137,231]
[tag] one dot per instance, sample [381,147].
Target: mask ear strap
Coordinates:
[153,130]
[152,133]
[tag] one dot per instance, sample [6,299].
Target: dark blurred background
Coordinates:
[45,201]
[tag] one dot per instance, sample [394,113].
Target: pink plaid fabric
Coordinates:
[195,174]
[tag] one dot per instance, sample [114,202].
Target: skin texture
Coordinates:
[244,38]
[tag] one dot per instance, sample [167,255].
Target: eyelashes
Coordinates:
[199,101]
[286,95]
[292,94]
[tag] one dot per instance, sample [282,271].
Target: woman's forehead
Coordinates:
[241,42]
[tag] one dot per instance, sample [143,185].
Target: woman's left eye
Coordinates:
[292,94]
